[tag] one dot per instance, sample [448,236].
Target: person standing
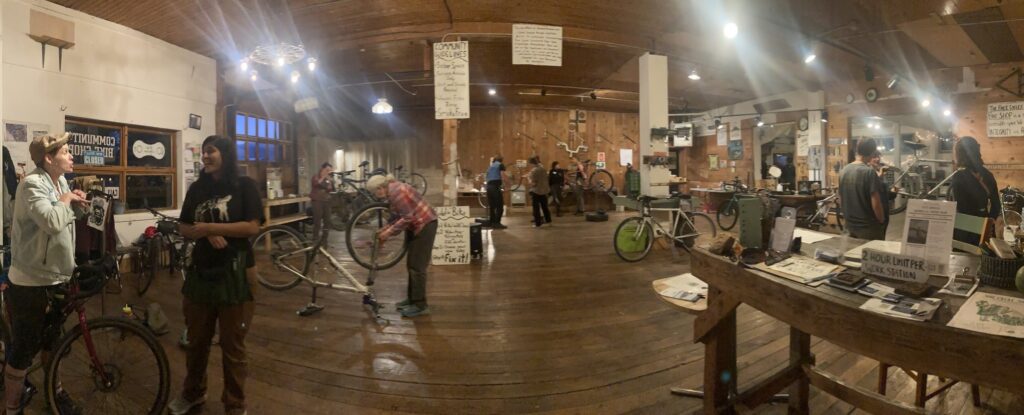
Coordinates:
[860,194]
[578,185]
[417,218]
[876,163]
[973,186]
[42,256]
[539,189]
[556,181]
[221,212]
[788,176]
[320,196]
[495,196]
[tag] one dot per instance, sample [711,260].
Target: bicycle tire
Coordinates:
[418,182]
[81,383]
[515,179]
[626,246]
[804,213]
[283,239]
[1012,218]
[602,181]
[727,214]
[481,198]
[362,229]
[148,263]
[702,225]
[340,212]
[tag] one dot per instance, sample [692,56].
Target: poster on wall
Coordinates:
[713,161]
[735,149]
[723,136]
[536,45]
[23,132]
[734,133]
[1005,119]
[802,143]
[451,80]
[625,156]
[98,143]
[815,157]
[451,245]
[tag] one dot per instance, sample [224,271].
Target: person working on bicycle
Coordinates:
[413,215]
[43,256]
[319,194]
[973,186]
[496,177]
[221,212]
[539,189]
[861,194]
[556,180]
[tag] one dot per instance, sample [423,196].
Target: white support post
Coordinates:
[653,114]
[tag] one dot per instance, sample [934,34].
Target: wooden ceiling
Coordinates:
[360,43]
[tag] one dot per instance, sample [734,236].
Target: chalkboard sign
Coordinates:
[1006,119]
[451,245]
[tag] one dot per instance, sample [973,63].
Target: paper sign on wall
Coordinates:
[451,80]
[451,245]
[723,136]
[734,133]
[625,156]
[536,45]
[1005,119]
[601,156]
[802,143]
[928,232]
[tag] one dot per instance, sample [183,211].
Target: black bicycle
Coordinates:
[349,197]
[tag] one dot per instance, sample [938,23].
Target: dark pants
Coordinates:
[321,217]
[540,204]
[495,202]
[418,259]
[556,198]
[201,320]
[27,306]
[578,190]
[870,233]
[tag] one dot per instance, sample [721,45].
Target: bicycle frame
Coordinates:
[929,193]
[677,216]
[311,252]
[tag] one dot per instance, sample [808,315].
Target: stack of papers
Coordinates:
[808,236]
[908,308]
[991,313]
[801,269]
[684,287]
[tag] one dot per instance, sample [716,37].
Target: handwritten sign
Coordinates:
[536,45]
[1006,119]
[451,245]
[894,266]
[451,80]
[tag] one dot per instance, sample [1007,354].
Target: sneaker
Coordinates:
[65,405]
[403,304]
[26,398]
[414,310]
[181,406]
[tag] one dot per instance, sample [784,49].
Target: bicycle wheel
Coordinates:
[340,212]
[268,247]
[418,182]
[481,197]
[633,239]
[135,367]
[515,179]
[362,230]
[728,213]
[804,214]
[602,181]
[698,231]
[148,262]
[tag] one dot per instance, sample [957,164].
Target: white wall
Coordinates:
[112,74]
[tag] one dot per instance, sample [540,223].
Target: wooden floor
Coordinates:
[551,321]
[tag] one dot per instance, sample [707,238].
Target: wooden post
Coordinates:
[450,152]
[720,361]
[799,353]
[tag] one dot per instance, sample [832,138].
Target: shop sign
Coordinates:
[92,157]
[894,266]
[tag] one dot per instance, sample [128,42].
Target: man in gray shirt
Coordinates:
[861,193]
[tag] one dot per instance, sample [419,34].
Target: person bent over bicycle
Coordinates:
[417,218]
[43,242]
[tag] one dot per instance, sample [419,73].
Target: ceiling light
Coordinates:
[925,102]
[948,112]
[824,116]
[311,64]
[492,91]
[759,121]
[730,30]
[280,61]
[892,82]
[718,123]
[253,75]
[295,77]
[810,58]
[694,75]
[382,106]
[244,65]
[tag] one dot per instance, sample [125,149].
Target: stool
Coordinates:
[921,394]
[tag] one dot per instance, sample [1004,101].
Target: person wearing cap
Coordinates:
[417,219]
[43,256]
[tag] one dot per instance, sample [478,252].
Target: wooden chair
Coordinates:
[921,394]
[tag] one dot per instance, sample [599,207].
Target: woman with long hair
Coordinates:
[973,187]
[221,212]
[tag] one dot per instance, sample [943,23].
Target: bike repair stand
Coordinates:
[312,307]
[368,298]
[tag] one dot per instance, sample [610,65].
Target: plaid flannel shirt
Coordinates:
[408,209]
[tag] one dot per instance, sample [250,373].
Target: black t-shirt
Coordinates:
[556,177]
[973,199]
[219,203]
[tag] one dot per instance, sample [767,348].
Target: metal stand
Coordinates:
[695,393]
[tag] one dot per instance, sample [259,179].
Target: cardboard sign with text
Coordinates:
[894,266]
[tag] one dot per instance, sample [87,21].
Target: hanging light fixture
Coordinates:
[244,65]
[730,30]
[810,58]
[925,102]
[382,106]
[254,75]
[948,112]
[694,76]
[718,123]
[492,91]
[759,121]
[311,64]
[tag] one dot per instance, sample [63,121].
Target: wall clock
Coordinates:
[849,98]
[871,95]
[803,123]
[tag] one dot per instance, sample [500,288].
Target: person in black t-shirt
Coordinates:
[221,212]
[556,180]
[973,186]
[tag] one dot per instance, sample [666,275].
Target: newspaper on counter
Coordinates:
[992,314]
[908,308]
[684,287]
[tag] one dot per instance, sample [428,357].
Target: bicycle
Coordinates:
[599,181]
[1011,200]
[350,196]
[179,248]
[729,210]
[284,259]
[911,186]
[416,180]
[819,217]
[465,179]
[106,365]
[635,235]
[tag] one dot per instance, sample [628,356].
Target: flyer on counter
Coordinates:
[991,313]
[928,232]
[908,308]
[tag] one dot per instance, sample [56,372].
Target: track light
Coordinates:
[382,106]
[810,58]
[311,64]
[694,76]
[948,112]
[824,116]
[892,82]
[718,123]
[492,91]
[295,77]
[593,95]
[253,75]
[925,102]
[730,30]
[759,121]
[244,65]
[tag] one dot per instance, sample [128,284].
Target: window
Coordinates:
[136,164]
[264,143]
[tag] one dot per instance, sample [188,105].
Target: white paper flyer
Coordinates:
[928,233]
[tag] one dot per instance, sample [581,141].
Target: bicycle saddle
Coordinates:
[364,163]
[379,170]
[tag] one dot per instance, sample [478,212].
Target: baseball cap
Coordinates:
[45,144]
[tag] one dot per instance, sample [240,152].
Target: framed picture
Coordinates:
[195,122]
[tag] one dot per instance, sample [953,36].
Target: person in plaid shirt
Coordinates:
[413,215]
